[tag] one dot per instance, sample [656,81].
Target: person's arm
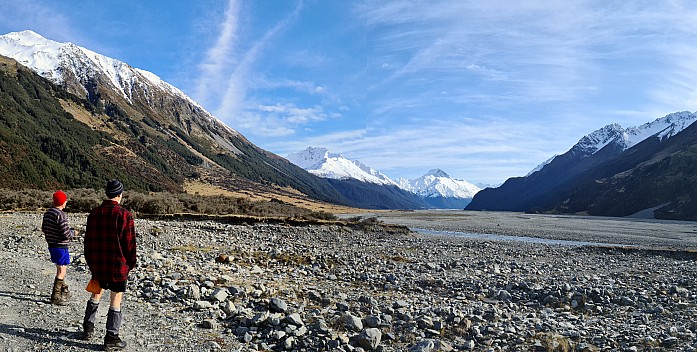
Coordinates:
[65,229]
[129,241]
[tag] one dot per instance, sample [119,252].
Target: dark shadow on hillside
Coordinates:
[25,296]
[61,339]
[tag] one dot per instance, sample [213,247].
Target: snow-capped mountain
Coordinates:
[601,152]
[323,163]
[623,139]
[664,127]
[133,124]
[437,183]
[77,68]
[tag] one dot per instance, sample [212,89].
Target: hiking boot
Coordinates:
[87,331]
[56,295]
[65,292]
[113,342]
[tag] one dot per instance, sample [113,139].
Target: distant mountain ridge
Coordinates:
[323,163]
[141,128]
[436,189]
[608,159]
[439,190]
[361,184]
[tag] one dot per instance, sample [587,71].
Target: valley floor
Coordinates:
[206,286]
[645,233]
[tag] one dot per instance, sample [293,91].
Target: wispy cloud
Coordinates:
[220,57]
[38,16]
[233,101]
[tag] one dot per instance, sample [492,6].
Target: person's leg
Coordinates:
[61,258]
[61,270]
[115,300]
[91,315]
[114,319]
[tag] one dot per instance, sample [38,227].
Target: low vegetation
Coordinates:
[159,203]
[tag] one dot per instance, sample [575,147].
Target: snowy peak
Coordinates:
[74,66]
[323,163]
[437,183]
[437,173]
[311,158]
[597,140]
[664,127]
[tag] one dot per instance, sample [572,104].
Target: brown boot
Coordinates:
[65,292]
[56,296]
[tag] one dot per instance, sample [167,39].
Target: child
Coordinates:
[58,233]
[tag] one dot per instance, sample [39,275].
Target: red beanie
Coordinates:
[59,198]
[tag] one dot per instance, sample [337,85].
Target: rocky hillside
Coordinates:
[55,136]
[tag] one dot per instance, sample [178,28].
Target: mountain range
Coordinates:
[70,117]
[435,189]
[649,169]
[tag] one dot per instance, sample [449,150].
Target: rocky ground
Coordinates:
[206,286]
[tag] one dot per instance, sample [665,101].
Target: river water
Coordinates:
[493,237]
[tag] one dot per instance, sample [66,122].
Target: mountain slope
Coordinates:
[604,171]
[150,124]
[362,185]
[657,173]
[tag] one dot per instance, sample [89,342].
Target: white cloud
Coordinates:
[292,114]
[219,58]
[38,16]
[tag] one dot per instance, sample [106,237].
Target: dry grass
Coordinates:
[283,194]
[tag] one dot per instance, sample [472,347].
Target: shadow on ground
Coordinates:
[59,339]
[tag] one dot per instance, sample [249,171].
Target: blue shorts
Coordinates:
[59,256]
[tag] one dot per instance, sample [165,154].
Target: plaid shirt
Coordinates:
[110,242]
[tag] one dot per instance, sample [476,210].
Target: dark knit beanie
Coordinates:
[113,188]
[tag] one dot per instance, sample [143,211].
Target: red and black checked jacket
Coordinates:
[110,242]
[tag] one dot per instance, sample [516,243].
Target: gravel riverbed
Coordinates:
[208,286]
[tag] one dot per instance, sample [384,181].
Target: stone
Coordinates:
[219,295]
[278,305]
[369,339]
[424,346]
[209,324]
[201,305]
[372,321]
[294,319]
[192,292]
[351,322]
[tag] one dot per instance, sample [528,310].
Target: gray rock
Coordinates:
[219,295]
[278,305]
[351,322]
[201,305]
[294,319]
[192,292]
[369,339]
[372,321]
[424,346]
[209,324]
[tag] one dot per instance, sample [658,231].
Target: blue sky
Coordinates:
[484,90]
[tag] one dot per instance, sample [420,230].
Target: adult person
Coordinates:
[110,251]
[58,234]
